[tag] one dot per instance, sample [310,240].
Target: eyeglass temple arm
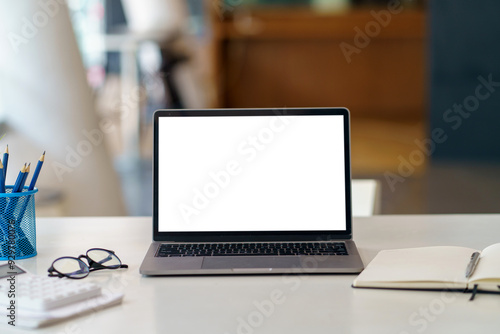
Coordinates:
[100,268]
[109,257]
[105,259]
[51,274]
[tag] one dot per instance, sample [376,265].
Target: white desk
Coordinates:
[310,304]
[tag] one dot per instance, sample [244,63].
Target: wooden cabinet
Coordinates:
[299,58]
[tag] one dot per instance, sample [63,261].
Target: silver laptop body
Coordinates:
[261,177]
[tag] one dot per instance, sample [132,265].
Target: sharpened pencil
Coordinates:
[34,178]
[25,177]
[2,179]
[5,162]
[19,179]
[23,244]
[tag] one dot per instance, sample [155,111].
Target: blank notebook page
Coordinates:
[427,264]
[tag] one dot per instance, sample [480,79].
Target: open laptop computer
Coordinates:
[252,191]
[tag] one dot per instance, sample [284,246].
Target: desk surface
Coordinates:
[243,304]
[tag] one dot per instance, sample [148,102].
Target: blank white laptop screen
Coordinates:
[251,173]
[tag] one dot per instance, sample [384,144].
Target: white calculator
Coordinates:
[33,301]
[41,293]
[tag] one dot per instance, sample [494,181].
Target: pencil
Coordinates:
[34,178]
[22,243]
[19,179]
[5,162]
[2,179]
[25,177]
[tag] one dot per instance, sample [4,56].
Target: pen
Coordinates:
[474,259]
[37,172]
[5,161]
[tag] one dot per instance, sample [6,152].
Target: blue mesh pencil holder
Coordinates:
[17,224]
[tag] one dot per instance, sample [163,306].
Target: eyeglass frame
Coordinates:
[92,265]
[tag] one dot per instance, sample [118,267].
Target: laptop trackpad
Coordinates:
[221,262]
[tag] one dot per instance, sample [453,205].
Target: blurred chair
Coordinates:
[49,106]
[365,198]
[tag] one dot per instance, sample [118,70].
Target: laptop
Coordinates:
[251,191]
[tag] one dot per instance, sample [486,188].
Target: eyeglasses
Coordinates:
[75,268]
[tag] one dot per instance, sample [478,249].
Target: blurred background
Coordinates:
[81,79]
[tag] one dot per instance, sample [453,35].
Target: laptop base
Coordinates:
[324,264]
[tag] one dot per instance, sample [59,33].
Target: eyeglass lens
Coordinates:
[71,267]
[104,258]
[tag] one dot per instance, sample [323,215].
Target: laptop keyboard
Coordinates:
[252,249]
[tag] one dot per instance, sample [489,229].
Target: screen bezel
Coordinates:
[253,235]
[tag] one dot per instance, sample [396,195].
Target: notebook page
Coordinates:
[441,264]
[488,267]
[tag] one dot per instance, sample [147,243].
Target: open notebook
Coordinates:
[440,268]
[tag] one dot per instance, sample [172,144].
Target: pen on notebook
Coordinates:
[474,259]
[39,165]
[19,179]
[5,161]
[2,179]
